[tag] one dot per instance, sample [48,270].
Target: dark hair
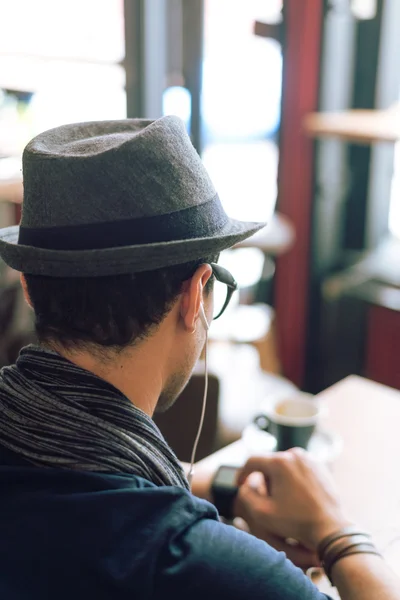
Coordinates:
[109,312]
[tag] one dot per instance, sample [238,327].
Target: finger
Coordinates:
[257,482]
[261,464]
[302,557]
[298,554]
[300,452]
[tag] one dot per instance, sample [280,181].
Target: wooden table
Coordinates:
[367,416]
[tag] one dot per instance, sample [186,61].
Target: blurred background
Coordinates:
[293,107]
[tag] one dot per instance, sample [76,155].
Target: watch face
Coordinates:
[227,477]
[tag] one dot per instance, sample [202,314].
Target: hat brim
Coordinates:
[119,260]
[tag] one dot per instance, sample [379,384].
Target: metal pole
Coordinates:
[134,62]
[145,57]
[193,29]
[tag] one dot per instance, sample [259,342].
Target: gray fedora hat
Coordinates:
[113,197]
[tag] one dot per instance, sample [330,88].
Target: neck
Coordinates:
[139,372]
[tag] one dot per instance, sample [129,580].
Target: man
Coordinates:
[120,231]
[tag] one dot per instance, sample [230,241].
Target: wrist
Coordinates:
[341,544]
[224,490]
[201,482]
[240,506]
[326,528]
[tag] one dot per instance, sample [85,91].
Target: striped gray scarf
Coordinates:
[58,415]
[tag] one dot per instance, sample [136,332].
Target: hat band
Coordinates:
[203,220]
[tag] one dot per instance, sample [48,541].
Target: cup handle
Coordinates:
[262,422]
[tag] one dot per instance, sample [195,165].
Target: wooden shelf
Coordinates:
[360,126]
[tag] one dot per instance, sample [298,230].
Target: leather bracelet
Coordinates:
[358,549]
[337,547]
[337,535]
[336,551]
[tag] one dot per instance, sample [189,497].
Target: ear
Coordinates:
[25,290]
[192,296]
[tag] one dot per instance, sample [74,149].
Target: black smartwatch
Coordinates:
[224,490]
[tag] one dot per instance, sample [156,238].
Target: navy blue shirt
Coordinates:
[78,535]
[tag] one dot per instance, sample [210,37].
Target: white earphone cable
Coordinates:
[203,412]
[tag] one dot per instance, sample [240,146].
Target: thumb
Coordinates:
[249,503]
[260,464]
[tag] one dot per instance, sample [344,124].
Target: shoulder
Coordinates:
[156,541]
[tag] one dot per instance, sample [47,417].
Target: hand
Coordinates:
[299,501]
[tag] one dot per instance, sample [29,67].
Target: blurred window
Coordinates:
[242,78]
[67,54]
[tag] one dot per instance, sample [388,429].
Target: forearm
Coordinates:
[365,577]
[201,482]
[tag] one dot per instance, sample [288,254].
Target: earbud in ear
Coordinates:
[203,318]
